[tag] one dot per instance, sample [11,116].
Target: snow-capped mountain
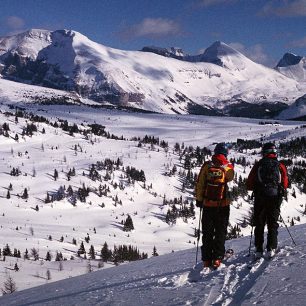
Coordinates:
[219,80]
[293,66]
[297,110]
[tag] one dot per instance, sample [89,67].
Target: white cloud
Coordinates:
[300,43]
[207,3]
[14,22]
[256,53]
[285,8]
[153,28]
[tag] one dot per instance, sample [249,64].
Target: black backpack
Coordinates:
[268,177]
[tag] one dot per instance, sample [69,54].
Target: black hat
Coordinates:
[222,148]
[268,148]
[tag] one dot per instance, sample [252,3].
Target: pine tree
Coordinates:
[81,249]
[7,251]
[58,256]
[35,254]
[48,256]
[154,251]
[8,195]
[48,274]
[128,224]
[25,194]
[55,175]
[9,286]
[16,268]
[91,252]
[105,252]
[26,254]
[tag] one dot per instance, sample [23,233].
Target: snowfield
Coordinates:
[61,225]
[163,280]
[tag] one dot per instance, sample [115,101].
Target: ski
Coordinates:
[257,261]
[198,270]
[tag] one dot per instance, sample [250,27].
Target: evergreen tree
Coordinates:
[91,252]
[55,174]
[26,254]
[48,256]
[9,286]
[154,251]
[81,249]
[128,224]
[48,274]
[7,251]
[59,256]
[105,253]
[25,194]
[16,268]
[35,254]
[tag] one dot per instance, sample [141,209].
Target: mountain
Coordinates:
[173,52]
[218,53]
[296,110]
[220,81]
[293,66]
[163,280]
[223,55]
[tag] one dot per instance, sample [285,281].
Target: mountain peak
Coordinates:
[289,59]
[221,54]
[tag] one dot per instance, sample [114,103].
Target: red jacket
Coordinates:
[251,181]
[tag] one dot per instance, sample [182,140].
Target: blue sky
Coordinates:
[262,30]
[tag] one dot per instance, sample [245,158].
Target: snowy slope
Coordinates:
[295,110]
[37,156]
[164,281]
[293,66]
[16,93]
[68,60]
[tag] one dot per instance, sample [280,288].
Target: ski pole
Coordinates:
[198,234]
[251,239]
[287,229]
[252,226]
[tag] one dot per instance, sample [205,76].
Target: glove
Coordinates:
[286,195]
[198,203]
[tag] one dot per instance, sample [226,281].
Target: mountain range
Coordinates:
[220,81]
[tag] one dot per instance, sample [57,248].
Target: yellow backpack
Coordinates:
[215,183]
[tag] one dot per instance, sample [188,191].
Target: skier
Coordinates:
[212,196]
[269,181]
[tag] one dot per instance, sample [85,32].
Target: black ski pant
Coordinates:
[214,229]
[266,211]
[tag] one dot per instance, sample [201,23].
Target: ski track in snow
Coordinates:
[164,281]
[232,283]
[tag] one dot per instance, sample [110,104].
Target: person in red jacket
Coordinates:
[269,181]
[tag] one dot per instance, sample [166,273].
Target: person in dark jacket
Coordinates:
[212,196]
[268,180]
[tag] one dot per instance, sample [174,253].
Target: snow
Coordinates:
[23,227]
[163,280]
[293,66]
[162,84]
[54,150]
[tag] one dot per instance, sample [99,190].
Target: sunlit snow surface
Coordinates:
[55,150]
[164,281]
